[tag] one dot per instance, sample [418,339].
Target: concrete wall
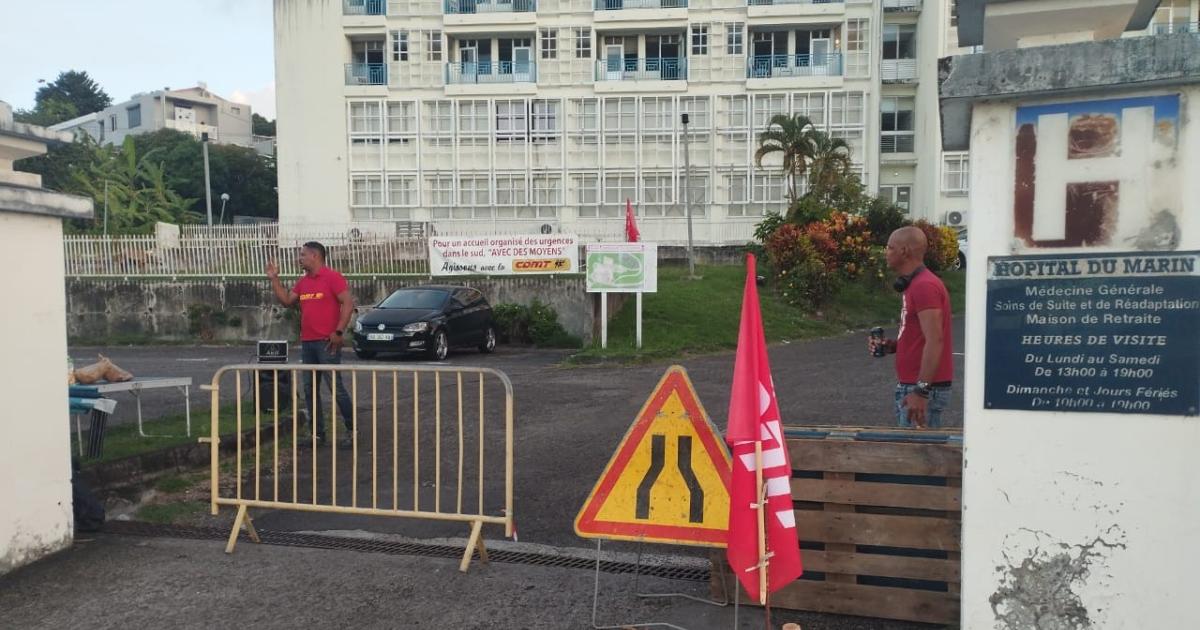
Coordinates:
[35,456]
[245,310]
[1094,517]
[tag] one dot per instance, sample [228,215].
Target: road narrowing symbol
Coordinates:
[668,480]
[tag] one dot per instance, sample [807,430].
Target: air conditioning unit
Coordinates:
[956,218]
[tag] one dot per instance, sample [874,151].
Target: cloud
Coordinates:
[261,100]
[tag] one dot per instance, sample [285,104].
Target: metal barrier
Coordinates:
[271,409]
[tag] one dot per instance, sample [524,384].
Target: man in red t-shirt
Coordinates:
[923,347]
[326,306]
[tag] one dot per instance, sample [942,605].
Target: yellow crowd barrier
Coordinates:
[398,414]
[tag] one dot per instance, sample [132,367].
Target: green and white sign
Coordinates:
[622,268]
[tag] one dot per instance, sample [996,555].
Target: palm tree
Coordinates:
[790,135]
[829,164]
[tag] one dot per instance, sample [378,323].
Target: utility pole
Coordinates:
[687,206]
[207,184]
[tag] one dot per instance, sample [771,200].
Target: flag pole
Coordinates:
[762,523]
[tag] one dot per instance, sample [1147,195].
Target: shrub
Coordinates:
[943,246]
[852,242]
[765,228]
[536,323]
[783,247]
[809,283]
[807,210]
[883,218]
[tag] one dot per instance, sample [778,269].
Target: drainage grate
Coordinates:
[317,541]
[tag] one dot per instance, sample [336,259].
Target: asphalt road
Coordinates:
[568,421]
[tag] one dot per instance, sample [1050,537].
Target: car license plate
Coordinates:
[379,336]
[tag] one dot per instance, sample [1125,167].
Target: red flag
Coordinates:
[631,232]
[754,418]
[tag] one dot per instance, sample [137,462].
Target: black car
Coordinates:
[427,319]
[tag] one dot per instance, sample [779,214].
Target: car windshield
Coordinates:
[415,298]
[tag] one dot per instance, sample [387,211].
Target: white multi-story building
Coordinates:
[511,114]
[193,110]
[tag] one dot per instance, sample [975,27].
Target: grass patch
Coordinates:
[702,316]
[168,513]
[173,484]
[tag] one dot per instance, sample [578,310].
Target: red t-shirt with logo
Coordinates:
[319,307]
[926,291]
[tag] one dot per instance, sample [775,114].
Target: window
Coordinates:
[810,105]
[549,38]
[856,33]
[697,197]
[433,45]
[696,107]
[112,122]
[734,112]
[401,191]
[733,38]
[858,48]
[364,117]
[618,189]
[233,110]
[134,115]
[954,13]
[657,114]
[399,45]
[544,119]
[766,106]
[473,117]
[956,175]
[767,189]
[845,108]
[898,194]
[699,39]
[473,190]
[583,43]
[738,193]
[367,191]
[547,194]
[620,116]
[402,117]
[585,115]
[587,193]
[656,194]
[510,192]
[441,117]
[899,41]
[441,190]
[510,120]
[896,126]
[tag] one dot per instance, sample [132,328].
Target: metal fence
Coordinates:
[420,442]
[236,252]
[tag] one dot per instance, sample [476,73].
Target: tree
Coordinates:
[76,88]
[789,135]
[132,186]
[49,112]
[262,126]
[830,164]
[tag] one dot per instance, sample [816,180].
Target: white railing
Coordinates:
[901,5]
[225,255]
[898,70]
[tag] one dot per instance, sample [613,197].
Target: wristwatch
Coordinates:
[923,389]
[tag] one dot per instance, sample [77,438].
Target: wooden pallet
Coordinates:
[878,512]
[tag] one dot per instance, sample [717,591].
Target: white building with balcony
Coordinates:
[193,110]
[482,115]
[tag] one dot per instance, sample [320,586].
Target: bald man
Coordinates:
[923,347]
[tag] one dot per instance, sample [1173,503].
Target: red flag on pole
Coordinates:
[759,540]
[631,232]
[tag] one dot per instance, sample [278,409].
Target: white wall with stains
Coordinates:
[1074,520]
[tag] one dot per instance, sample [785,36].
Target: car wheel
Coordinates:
[440,347]
[489,341]
[365,355]
[960,262]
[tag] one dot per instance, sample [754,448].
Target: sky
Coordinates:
[131,46]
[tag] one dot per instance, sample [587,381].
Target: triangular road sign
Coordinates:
[668,481]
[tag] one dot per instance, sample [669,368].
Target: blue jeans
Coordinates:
[316,353]
[939,398]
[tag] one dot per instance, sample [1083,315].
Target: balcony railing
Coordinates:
[366,74]
[767,3]
[897,142]
[1166,28]
[364,7]
[617,5]
[893,70]
[649,69]
[777,66]
[457,7]
[485,72]
[901,5]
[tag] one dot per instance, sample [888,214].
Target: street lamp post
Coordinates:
[224,199]
[687,206]
[207,183]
